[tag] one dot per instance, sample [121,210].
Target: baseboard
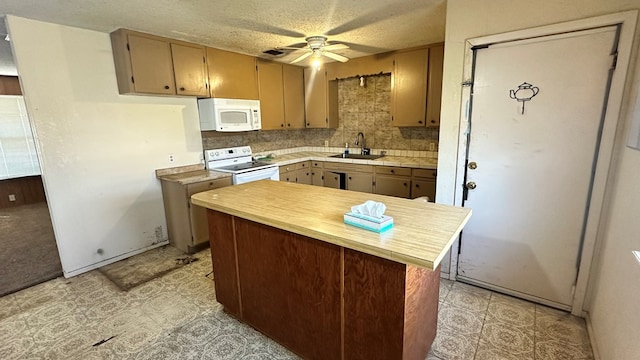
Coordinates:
[592,339]
[111,260]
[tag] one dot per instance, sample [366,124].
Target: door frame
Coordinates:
[610,132]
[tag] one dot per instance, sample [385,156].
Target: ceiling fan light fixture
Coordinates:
[316,63]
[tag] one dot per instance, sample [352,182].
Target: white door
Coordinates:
[533,170]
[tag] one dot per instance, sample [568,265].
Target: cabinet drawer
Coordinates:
[207,185]
[303,165]
[287,168]
[348,167]
[393,170]
[425,173]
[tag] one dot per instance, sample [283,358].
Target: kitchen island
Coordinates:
[285,263]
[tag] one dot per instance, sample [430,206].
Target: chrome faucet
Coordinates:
[362,142]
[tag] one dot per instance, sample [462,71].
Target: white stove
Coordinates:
[239,162]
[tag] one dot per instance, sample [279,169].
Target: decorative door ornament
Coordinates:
[524,93]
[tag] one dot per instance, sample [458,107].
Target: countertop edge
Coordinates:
[377,162]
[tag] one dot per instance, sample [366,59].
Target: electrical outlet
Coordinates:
[326,143]
[171,158]
[12,197]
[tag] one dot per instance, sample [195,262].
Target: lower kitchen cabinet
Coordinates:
[331,179]
[186,223]
[316,173]
[360,182]
[303,172]
[393,186]
[424,183]
[289,176]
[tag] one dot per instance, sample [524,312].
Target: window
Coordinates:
[17,149]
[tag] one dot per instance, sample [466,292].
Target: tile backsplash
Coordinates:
[365,109]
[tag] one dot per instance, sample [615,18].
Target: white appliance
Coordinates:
[239,162]
[229,114]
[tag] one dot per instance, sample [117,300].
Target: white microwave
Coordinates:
[229,114]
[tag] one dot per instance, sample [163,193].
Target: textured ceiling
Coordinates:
[253,26]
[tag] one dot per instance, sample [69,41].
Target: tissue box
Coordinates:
[368,222]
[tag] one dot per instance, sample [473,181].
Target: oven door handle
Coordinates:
[272,173]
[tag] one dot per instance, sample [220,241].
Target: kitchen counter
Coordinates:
[421,235]
[282,255]
[190,174]
[387,160]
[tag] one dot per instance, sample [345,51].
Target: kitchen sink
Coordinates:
[357,156]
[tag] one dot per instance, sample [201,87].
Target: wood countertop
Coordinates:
[421,235]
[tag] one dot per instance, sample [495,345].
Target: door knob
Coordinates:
[473,165]
[471,185]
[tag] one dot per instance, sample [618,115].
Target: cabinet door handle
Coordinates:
[289,125]
[281,125]
[419,121]
[308,124]
[405,184]
[392,171]
[349,177]
[433,121]
[166,87]
[417,186]
[182,89]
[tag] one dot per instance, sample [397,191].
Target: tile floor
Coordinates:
[176,317]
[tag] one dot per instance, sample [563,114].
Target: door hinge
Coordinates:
[204,60]
[256,67]
[467,83]
[615,60]
[394,62]
[373,183]
[326,120]
[188,204]
[128,48]
[133,81]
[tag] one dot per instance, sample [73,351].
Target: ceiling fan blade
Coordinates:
[301,57]
[335,56]
[336,47]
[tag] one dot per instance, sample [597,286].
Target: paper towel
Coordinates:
[370,208]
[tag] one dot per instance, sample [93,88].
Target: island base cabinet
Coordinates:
[322,301]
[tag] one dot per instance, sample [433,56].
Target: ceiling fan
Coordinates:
[317,47]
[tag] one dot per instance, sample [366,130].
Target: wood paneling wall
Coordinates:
[10,85]
[27,190]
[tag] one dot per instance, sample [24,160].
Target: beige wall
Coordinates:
[98,150]
[615,288]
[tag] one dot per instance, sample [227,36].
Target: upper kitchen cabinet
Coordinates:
[271,95]
[232,75]
[190,69]
[417,87]
[281,95]
[147,64]
[143,63]
[409,88]
[293,89]
[434,89]
[321,99]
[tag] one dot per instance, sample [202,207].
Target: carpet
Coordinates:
[139,269]
[28,250]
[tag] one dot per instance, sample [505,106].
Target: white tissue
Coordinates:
[370,208]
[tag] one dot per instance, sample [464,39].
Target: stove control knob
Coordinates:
[217,153]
